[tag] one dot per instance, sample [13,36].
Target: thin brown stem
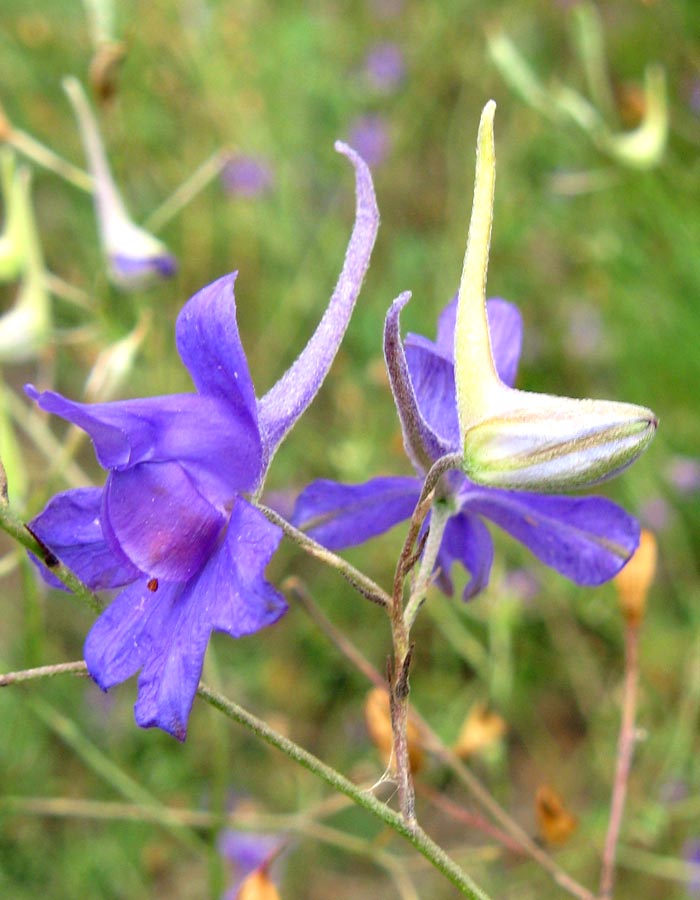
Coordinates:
[400,633]
[470,819]
[625,751]
[437,748]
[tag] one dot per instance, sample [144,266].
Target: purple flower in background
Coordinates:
[134,256]
[172,525]
[370,136]
[691,855]
[586,539]
[683,473]
[246,176]
[246,852]
[385,67]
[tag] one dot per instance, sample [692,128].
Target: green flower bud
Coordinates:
[515,439]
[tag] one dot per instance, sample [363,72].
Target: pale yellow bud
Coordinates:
[515,439]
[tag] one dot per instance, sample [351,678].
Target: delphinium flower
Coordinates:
[455,398]
[385,67]
[249,855]
[370,134]
[244,175]
[134,256]
[173,525]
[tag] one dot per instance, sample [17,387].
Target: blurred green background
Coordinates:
[604,262]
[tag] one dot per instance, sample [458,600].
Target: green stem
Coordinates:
[110,772]
[415,835]
[69,668]
[31,148]
[16,528]
[187,191]
[439,516]
[357,579]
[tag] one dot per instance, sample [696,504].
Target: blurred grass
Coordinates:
[283,81]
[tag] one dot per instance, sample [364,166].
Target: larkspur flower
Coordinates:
[173,526]
[455,398]
[244,175]
[587,539]
[370,134]
[134,256]
[385,67]
[248,853]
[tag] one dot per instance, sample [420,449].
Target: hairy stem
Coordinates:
[400,633]
[625,750]
[415,835]
[466,777]
[357,579]
[16,528]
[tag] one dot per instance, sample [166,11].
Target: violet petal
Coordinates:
[342,515]
[466,541]
[70,527]
[587,539]
[199,431]
[423,444]
[159,519]
[210,346]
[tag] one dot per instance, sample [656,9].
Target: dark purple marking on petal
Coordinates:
[466,541]
[160,520]
[282,405]
[586,539]
[70,527]
[423,444]
[210,346]
[343,515]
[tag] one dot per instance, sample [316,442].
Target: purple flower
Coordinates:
[247,852]
[172,525]
[683,473]
[691,855]
[385,67]
[134,256]
[586,539]
[246,176]
[370,136]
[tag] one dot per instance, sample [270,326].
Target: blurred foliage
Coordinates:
[604,263]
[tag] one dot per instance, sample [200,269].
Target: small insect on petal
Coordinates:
[152,585]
